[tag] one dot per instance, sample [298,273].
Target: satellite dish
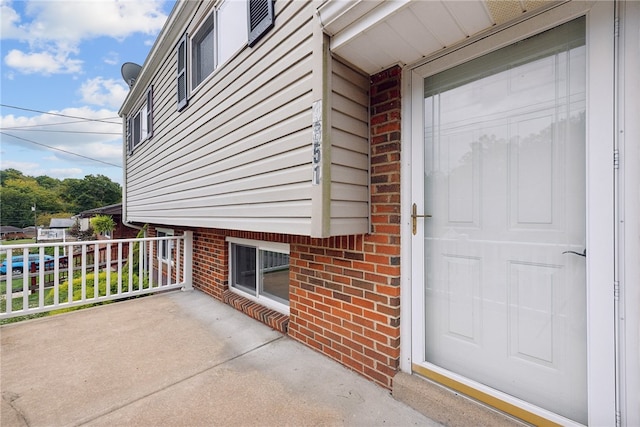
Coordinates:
[130,73]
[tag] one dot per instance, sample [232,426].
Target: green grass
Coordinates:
[17,285]
[18,242]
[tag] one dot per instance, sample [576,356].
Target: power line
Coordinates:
[62,131]
[46,124]
[65,115]
[59,149]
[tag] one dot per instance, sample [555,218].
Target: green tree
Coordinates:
[91,192]
[48,182]
[19,195]
[16,208]
[10,174]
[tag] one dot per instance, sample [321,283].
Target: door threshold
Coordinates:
[447,406]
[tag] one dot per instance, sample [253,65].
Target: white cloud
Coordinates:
[70,22]
[42,62]
[103,92]
[111,58]
[55,29]
[10,26]
[36,169]
[27,168]
[65,173]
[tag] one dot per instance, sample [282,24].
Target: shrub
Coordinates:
[103,224]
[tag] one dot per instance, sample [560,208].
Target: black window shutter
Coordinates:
[182,73]
[150,112]
[260,19]
[129,139]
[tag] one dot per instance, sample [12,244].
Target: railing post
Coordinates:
[188,261]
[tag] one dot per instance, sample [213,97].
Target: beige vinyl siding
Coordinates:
[239,155]
[349,150]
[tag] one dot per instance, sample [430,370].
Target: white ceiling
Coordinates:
[376,34]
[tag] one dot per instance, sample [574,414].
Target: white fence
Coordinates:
[35,278]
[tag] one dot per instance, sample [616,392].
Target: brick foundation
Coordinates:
[272,318]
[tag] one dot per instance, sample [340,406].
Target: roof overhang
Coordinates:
[376,34]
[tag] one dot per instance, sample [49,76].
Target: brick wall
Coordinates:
[121,231]
[344,291]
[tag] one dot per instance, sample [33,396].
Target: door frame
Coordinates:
[600,202]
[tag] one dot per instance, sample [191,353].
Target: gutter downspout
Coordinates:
[617,127]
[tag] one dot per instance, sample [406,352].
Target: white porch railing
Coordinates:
[44,277]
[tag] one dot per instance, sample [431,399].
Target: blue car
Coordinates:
[17,263]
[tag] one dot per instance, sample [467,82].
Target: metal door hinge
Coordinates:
[616,159]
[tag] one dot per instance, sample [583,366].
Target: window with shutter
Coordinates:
[260,19]
[140,124]
[129,136]
[182,73]
[136,130]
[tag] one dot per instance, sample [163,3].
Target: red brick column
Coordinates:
[345,291]
[210,262]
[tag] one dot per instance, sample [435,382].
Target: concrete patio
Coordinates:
[178,359]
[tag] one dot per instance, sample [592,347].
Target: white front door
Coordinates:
[504,275]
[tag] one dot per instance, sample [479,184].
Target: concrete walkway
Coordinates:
[178,359]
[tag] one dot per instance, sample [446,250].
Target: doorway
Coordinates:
[503,274]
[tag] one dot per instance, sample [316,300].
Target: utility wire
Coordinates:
[59,149]
[65,115]
[62,131]
[45,124]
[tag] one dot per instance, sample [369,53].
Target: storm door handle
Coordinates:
[414,218]
[583,254]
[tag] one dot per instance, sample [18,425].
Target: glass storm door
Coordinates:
[502,263]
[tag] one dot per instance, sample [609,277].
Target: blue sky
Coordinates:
[64,57]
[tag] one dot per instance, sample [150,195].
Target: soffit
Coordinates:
[376,34]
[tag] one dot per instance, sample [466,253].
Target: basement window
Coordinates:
[259,271]
[165,247]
